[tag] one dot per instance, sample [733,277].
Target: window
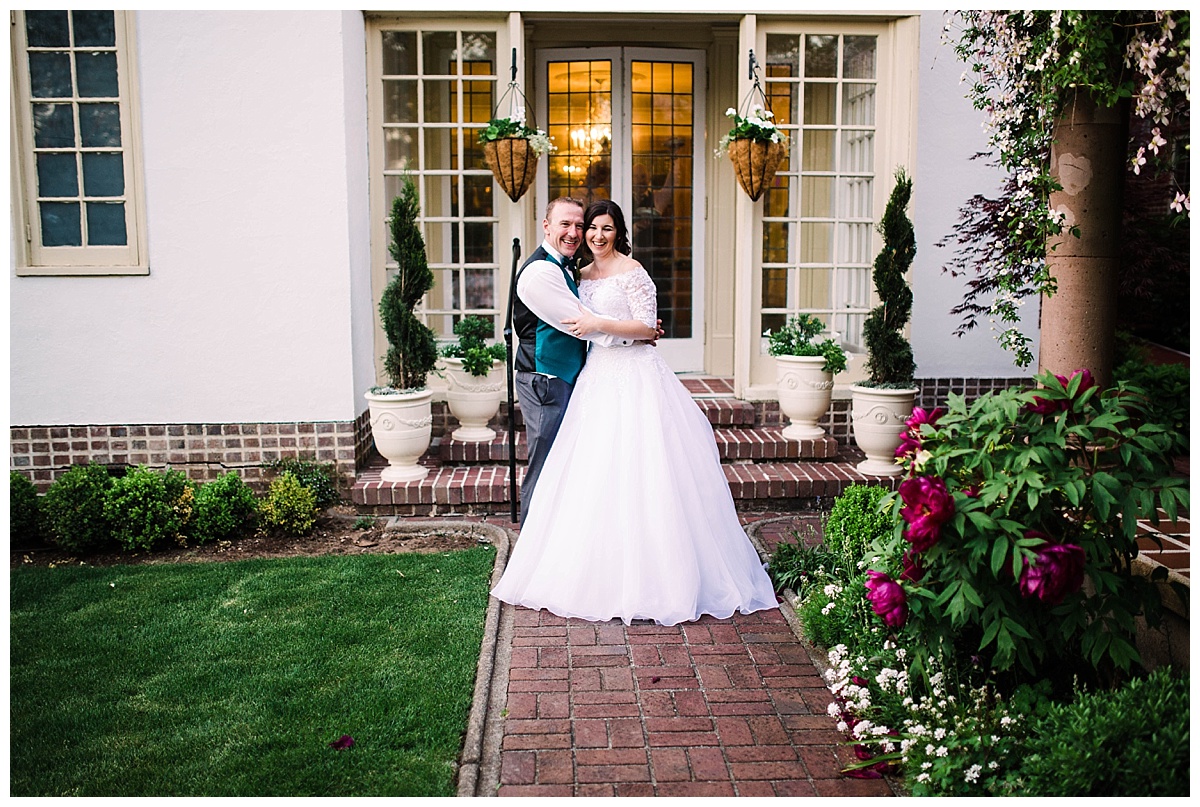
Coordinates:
[438,89]
[79,164]
[818,217]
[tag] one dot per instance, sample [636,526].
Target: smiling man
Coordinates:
[549,358]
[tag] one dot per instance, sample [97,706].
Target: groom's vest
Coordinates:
[543,348]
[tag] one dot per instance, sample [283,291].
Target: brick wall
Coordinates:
[204,450]
[201,450]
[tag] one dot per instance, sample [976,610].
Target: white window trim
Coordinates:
[32,258]
[895,143]
[508,216]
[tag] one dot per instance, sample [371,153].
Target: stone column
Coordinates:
[1079,320]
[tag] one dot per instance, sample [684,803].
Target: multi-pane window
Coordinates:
[78,159]
[661,99]
[579,97]
[439,89]
[818,217]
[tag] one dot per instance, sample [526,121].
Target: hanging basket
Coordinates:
[513,163]
[755,164]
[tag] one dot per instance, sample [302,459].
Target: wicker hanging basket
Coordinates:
[755,164]
[513,163]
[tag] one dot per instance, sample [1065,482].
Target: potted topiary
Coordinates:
[881,405]
[475,371]
[401,416]
[756,147]
[511,149]
[804,371]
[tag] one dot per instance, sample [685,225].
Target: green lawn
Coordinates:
[231,679]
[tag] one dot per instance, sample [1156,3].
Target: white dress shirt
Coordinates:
[544,291]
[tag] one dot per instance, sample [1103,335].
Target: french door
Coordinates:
[628,126]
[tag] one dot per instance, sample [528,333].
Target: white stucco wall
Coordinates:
[256,199]
[949,132]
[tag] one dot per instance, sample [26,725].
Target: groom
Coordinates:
[549,358]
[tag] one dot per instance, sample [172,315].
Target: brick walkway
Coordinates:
[731,707]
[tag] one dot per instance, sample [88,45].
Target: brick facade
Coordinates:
[205,450]
[201,450]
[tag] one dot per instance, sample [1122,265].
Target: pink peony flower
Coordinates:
[1057,572]
[910,438]
[1041,406]
[887,599]
[913,570]
[927,506]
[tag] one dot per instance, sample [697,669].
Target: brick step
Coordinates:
[483,489]
[734,444]
[721,411]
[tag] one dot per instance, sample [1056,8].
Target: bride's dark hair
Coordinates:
[605,207]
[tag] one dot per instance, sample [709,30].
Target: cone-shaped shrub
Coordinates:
[412,354]
[889,355]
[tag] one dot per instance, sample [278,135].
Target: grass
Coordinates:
[231,679]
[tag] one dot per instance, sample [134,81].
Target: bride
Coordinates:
[632,516]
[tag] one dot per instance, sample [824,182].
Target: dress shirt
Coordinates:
[544,291]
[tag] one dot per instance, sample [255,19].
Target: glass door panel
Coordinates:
[624,121]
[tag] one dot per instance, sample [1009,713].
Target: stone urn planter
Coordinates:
[402,425]
[474,400]
[805,390]
[878,418]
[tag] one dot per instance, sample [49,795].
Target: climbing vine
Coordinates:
[1023,66]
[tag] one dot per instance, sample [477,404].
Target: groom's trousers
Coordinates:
[543,402]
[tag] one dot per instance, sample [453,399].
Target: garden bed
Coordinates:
[335,534]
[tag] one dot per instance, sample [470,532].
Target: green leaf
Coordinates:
[999,553]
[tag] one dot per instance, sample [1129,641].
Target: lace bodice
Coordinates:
[630,295]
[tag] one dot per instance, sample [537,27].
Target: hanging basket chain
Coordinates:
[512,160]
[755,161]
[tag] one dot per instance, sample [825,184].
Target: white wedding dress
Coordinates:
[632,517]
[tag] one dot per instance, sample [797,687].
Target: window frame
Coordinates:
[32,257]
[894,143]
[435,310]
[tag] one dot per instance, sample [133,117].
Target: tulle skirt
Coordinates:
[632,517]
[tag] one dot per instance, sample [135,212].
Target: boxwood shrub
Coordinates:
[74,508]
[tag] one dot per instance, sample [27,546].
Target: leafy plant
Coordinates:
[837,612]
[796,337]
[1165,388]
[24,512]
[889,355]
[1026,67]
[316,476]
[1011,503]
[500,128]
[412,352]
[225,508]
[1132,741]
[477,356]
[74,508]
[795,565]
[756,125]
[289,506]
[144,510]
[364,523]
[857,519]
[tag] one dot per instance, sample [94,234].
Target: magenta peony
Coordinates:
[1041,406]
[913,570]
[887,599]
[910,438]
[1057,572]
[927,506]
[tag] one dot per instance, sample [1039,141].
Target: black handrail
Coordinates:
[512,418]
